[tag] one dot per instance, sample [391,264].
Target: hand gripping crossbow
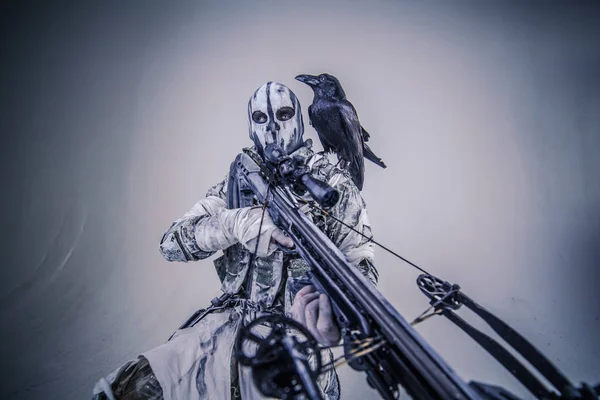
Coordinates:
[377,340]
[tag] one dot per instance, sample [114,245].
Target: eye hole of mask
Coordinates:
[285,113]
[259,117]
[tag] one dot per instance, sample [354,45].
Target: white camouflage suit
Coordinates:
[197,362]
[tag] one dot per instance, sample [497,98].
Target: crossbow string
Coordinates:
[444,298]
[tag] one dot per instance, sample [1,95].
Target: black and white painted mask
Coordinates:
[275,116]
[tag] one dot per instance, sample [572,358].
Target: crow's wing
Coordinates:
[311,117]
[352,149]
[367,152]
[365,134]
[363,131]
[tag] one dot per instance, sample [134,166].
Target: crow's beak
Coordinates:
[310,80]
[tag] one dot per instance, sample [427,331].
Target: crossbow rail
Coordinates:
[395,354]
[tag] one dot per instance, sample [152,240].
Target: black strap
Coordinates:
[513,365]
[520,344]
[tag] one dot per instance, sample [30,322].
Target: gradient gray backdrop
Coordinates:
[117,116]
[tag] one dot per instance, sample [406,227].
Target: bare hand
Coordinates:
[277,236]
[313,310]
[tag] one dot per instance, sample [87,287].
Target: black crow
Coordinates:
[336,122]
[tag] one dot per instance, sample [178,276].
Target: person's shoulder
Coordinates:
[220,189]
[322,167]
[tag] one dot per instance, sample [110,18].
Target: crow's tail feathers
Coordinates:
[365,134]
[369,155]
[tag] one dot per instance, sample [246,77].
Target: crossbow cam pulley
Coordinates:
[284,356]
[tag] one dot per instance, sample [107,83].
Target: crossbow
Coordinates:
[377,340]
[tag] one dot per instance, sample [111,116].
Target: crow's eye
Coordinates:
[285,113]
[259,117]
[322,78]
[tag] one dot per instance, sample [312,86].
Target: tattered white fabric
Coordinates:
[351,209]
[103,385]
[240,225]
[210,205]
[181,364]
[195,364]
[354,246]
[209,226]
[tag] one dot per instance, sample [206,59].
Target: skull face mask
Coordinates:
[275,116]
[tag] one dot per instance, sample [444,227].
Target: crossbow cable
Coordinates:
[284,366]
[446,297]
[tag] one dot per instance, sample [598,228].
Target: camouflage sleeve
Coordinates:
[179,242]
[352,236]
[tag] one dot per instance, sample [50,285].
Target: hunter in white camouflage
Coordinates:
[197,362]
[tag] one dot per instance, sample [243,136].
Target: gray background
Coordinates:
[117,116]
